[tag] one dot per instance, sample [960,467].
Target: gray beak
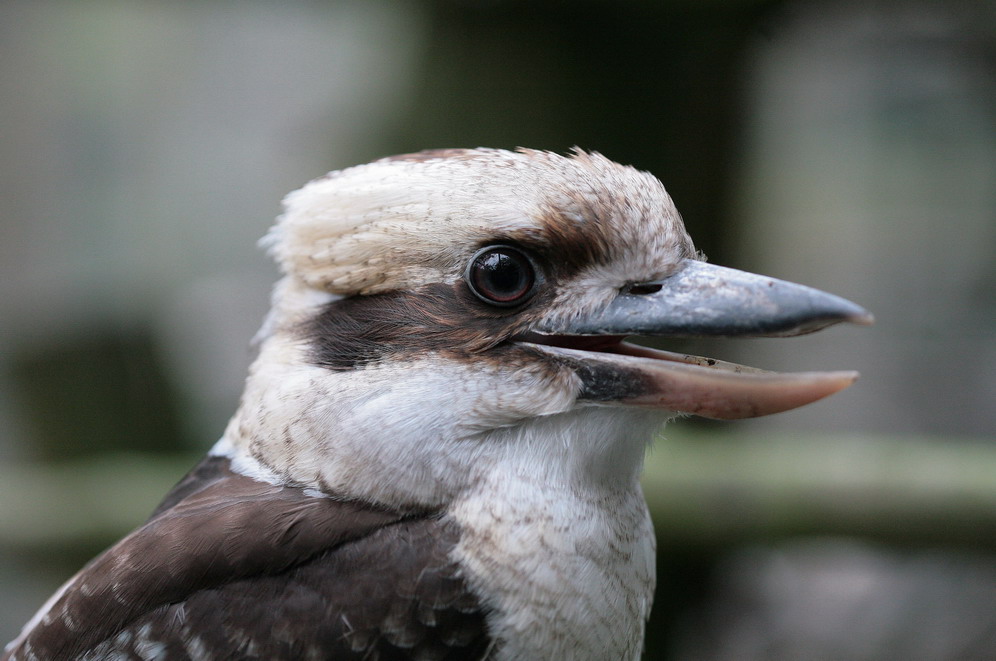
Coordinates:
[704,300]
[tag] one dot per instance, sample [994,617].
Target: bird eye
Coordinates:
[501,275]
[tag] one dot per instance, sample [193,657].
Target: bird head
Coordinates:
[448,313]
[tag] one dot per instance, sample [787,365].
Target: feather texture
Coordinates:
[230,567]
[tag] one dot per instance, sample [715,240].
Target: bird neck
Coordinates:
[567,518]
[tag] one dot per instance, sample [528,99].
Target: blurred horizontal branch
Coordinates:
[714,488]
[705,488]
[83,502]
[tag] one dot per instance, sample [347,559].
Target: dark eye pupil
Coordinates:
[502,275]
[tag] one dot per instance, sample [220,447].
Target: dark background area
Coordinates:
[145,146]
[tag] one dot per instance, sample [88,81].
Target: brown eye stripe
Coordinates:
[354,332]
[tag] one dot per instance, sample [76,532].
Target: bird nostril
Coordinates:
[642,289]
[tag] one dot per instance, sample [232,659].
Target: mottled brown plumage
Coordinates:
[230,567]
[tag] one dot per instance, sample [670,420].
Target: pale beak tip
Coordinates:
[862,318]
[848,379]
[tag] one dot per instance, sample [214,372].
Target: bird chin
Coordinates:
[617,373]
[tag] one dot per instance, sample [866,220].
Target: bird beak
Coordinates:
[697,300]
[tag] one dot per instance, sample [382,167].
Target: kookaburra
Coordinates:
[438,451]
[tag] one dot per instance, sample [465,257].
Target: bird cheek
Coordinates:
[520,394]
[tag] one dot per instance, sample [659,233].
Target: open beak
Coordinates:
[697,300]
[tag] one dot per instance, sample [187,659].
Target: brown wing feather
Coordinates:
[232,568]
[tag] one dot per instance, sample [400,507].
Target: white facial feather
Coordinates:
[408,434]
[402,222]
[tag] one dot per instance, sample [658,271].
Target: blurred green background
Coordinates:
[145,146]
